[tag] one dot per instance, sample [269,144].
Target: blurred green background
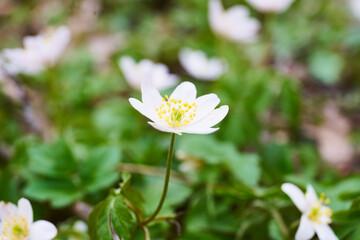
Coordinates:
[294,117]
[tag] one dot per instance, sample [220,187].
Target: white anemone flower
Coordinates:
[39,52]
[354,6]
[273,6]
[157,73]
[16,223]
[182,112]
[234,24]
[200,67]
[19,60]
[315,213]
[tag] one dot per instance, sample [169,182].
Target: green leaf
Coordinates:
[244,167]
[9,186]
[152,190]
[111,214]
[277,160]
[290,102]
[134,195]
[59,192]
[98,222]
[99,171]
[122,219]
[52,160]
[274,230]
[326,66]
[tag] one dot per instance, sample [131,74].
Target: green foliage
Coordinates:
[109,217]
[59,176]
[244,167]
[326,66]
[112,216]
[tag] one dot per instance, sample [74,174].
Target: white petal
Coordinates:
[215,15]
[25,210]
[205,105]
[324,232]
[80,226]
[296,195]
[201,131]
[151,97]
[127,66]
[59,41]
[199,66]
[270,6]
[164,129]
[210,120]
[126,63]
[42,230]
[161,78]
[141,108]
[245,29]
[186,91]
[237,12]
[310,194]
[7,208]
[305,230]
[31,42]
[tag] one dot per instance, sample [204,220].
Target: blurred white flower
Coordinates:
[16,223]
[354,6]
[315,213]
[182,112]
[39,52]
[234,24]
[199,66]
[79,227]
[157,73]
[21,60]
[271,5]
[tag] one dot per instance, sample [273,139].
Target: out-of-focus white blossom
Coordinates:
[157,73]
[354,6]
[16,223]
[234,24]
[39,52]
[271,5]
[200,67]
[79,227]
[182,112]
[315,213]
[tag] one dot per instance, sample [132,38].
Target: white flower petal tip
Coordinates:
[24,207]
[271,6]
[316,215]
[354,6]
[295,194]
[135,73]
[42,230]
[324,232]
[200,67]
[182,112]
[234,24]
[20,223]
[39,52]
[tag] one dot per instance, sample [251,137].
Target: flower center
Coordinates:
[175,112]
[320,212]
[15,228]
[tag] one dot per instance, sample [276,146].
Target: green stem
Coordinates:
[167,178]
[146,232]
[280,221]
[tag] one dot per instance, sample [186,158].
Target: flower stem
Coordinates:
[167,178]
[280,221]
